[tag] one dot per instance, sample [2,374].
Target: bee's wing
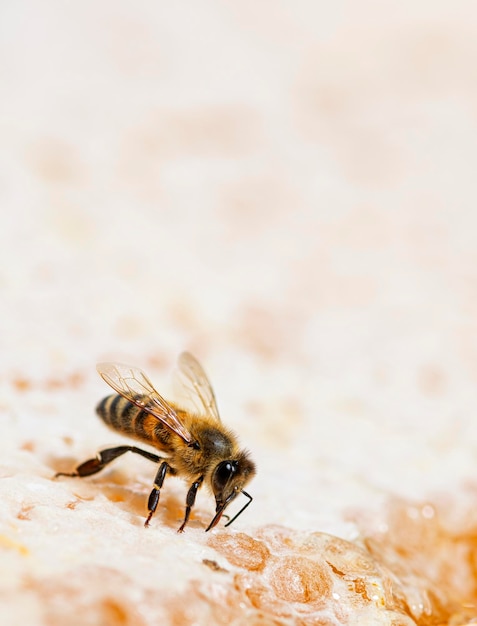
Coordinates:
[195,385]
[131,383]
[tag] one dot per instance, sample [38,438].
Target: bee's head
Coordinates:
[228,480]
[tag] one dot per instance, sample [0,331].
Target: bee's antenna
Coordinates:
[242,509]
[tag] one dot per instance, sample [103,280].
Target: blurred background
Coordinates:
[285,189]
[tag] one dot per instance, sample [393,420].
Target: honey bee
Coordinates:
[197,445]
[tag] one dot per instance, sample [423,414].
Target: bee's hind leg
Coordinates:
[92,466]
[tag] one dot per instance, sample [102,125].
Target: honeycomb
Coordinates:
[412,570]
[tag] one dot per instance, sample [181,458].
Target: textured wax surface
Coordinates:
[288,192]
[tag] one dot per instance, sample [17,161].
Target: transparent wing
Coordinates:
[131,383]
[195,385]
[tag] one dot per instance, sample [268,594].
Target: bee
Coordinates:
[197,445]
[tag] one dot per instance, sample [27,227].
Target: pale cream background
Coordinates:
[285,189]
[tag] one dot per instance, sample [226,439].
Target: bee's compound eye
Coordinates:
[222,475]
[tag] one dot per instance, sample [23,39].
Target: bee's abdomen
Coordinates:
[128,419]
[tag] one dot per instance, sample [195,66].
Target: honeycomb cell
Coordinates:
[298,579]
[349,559]
[277,538]
[263,599]
[241,550]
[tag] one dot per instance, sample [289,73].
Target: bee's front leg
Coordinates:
[156,491]
[190,500]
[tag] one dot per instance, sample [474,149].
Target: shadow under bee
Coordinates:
[133,499]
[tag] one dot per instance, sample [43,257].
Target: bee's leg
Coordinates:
[156,491]
[92,466]
[190,499]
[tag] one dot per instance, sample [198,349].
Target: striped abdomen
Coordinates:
[130,420]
